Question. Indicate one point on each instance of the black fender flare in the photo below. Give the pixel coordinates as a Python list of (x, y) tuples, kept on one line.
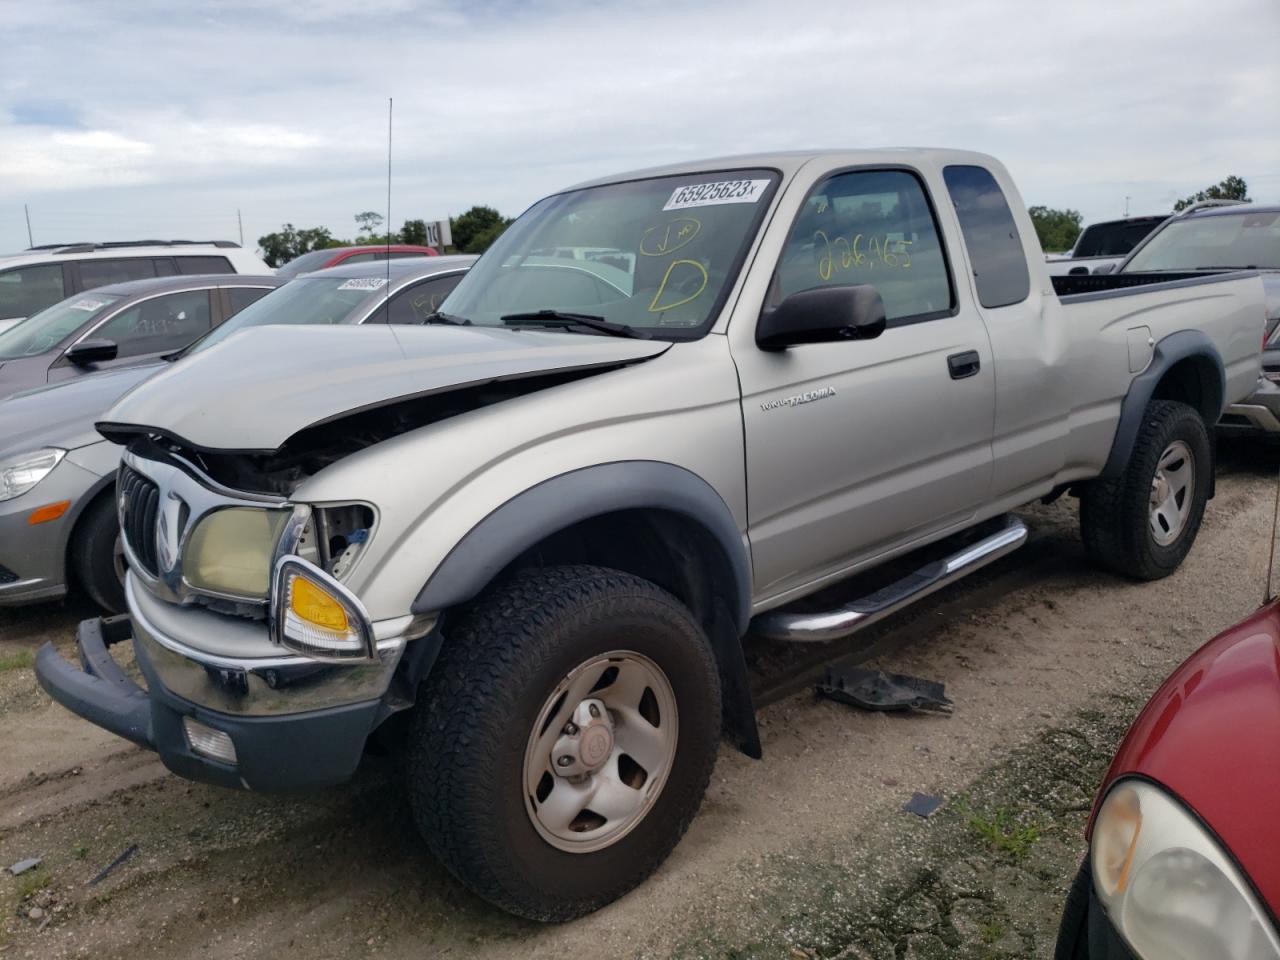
[(1170, 350), (562, 501)]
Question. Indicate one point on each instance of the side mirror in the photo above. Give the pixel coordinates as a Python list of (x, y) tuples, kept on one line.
[(1104, 268), (822, 315), (88, 352)]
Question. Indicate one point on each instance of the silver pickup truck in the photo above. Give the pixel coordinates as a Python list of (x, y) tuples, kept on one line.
[(530, 536)]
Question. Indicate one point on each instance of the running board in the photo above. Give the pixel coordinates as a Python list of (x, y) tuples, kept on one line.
[(826, 625)]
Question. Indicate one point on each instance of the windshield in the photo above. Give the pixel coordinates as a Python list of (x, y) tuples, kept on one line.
[(309, 300), (1113, 239), (305, 263), (50, 327), (1245, 240), (658, 255)]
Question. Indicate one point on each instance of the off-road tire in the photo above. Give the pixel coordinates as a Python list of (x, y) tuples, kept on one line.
[(92, 549), (478, 705), (1073, 930), (1115, 513)]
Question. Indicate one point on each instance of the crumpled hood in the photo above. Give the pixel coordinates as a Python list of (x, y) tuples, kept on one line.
[(63, 414), (254, 391)]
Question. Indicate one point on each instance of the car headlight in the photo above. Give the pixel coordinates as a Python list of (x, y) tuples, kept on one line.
[(1169, 889), (230, 552), (19, 474)]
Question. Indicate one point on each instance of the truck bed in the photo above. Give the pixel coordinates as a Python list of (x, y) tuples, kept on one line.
[(1069, 288)]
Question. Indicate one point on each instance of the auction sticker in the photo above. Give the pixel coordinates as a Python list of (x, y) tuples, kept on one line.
[(365, 283), (89, 304), (721, 191)]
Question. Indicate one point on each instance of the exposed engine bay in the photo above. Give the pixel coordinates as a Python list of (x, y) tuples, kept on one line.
[(309, 451)]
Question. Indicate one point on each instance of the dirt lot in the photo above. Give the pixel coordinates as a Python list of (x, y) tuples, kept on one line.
[(803, 854)]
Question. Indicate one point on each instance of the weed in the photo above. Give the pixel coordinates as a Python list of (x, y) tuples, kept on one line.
[(22, 660), (1003, 832)]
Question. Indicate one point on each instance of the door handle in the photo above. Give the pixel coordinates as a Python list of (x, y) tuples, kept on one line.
[(964, 365)]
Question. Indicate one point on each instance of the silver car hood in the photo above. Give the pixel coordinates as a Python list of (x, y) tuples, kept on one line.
[(63, 414), (254, 391)]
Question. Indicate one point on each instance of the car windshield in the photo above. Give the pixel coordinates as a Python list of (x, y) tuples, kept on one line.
[(51, 326), (658, 255), (314, 260), (304, 300), (1112, 239), (1245, 240)]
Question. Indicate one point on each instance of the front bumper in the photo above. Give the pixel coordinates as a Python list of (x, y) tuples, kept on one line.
[(274, 752)]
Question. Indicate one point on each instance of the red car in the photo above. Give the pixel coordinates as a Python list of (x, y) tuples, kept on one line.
[(331, 257), (1184, 839)]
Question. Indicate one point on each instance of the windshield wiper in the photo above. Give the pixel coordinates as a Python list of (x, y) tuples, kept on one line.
[(559, 318), (448, 318)]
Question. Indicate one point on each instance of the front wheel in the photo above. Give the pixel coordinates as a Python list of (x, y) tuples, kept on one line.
[(564, 739), (1142, 523), (97, 554)]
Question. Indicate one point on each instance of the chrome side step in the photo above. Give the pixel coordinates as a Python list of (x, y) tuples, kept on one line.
[(827, 625)]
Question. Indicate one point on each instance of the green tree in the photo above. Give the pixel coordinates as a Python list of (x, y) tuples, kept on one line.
[(477, 228), (288, 242), (1057, 229), (1232, 188), (368, 224), (414, 231)]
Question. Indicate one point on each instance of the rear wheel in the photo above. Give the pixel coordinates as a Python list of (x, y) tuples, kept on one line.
[(564, 739), (97, 554), (1142, 523)]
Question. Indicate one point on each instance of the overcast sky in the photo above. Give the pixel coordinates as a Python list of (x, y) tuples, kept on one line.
[(125, 120)]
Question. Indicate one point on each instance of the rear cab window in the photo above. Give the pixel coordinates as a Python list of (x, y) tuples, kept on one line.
[(990, 235), (872, 227)]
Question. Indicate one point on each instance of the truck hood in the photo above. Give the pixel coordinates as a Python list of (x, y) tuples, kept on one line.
[(254, 391), (63, 414)]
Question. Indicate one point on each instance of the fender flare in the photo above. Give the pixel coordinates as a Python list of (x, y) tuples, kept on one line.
[(1170, 350), (564, 500)]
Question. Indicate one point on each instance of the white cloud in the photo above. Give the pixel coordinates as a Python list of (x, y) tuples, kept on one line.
[(192, 111)]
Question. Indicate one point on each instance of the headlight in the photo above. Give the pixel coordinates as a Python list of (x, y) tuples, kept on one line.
[(230, 551), (19, 474), (1169, 889), (316, 616)]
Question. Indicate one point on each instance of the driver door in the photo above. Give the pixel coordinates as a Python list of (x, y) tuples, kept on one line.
[(857, 446)]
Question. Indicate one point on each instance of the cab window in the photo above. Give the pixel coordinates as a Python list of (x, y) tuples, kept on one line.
[(158, 325), (869, 227), (990, 235)]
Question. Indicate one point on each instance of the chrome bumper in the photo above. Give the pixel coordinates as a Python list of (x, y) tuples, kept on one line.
[(256, 682)]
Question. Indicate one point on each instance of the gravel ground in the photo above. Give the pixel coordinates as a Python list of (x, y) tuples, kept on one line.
[(803, 854)]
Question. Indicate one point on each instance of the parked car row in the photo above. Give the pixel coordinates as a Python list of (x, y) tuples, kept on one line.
[(538, 504)]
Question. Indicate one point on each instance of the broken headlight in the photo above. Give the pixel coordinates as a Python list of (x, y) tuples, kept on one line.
[(335, 538)]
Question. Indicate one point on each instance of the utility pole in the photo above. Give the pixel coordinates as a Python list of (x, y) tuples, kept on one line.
[(240, 221), (30, 242), (1126, 205)]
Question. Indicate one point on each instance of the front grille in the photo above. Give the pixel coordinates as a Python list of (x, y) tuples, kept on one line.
[(140, 505), (7, 576)]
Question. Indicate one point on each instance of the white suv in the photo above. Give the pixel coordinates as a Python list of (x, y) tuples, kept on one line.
[(42, 276)]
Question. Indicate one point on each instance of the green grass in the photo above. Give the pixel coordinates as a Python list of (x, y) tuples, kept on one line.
[(29, 883), (991, 931), (22, 660), (1003, 832)]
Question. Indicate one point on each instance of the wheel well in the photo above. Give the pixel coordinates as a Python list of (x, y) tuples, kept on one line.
[(663, 547), (106, 493), (1195, 381)]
